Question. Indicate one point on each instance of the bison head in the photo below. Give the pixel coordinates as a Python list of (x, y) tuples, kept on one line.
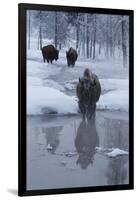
[(87, 84)]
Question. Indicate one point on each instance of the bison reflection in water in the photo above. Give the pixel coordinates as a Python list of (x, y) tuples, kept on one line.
[(86, 141), (52, 137)]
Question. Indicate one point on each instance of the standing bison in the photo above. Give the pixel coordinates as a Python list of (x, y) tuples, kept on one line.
[(50, 53), (71, 56), (88, 93)]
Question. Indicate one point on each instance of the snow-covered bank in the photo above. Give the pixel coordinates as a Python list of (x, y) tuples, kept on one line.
[(116, 94), (114, 100), (53, 84), (40, 69), (43, 100), (48, 85)]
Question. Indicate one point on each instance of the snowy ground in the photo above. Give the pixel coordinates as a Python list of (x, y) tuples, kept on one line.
[(51, 87)]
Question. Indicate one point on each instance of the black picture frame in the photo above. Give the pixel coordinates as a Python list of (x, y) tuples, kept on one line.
[(22, 148)]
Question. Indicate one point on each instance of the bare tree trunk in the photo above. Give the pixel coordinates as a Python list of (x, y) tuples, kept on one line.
[(29, 29), (124, 47), (56, 31), (77, 35), (107, 38), (86, 34), (91, 48), (40, 36), (83, 47), (59, 46), (107, 48), (99, 50), (111, 39), (87, 41), (83, 40), (40, 31), (94, 38)]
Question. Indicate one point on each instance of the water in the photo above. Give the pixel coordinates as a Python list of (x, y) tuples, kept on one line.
[(61, 151)]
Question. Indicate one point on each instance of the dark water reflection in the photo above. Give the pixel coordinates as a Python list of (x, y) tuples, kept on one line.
[(52, 137), (86, 141), (61, 151), (117, 173)]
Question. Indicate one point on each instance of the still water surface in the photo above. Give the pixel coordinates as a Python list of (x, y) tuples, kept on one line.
[(61, 151)]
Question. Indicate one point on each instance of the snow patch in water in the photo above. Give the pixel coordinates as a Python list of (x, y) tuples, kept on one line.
[(111, 152), (116, 152)]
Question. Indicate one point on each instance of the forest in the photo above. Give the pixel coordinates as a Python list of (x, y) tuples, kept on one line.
[(90, 34)]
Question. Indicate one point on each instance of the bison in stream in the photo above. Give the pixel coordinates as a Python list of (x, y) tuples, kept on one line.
[(88, 93)]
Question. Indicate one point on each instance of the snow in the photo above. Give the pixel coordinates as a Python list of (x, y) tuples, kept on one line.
[(69, 86), (47, 84), (35, 81), (34, 55), (34, 42), (117, 96), (41, 70), (35, 69), (111, 152), (53, 84), (114, 84), (114, 100), (49, 147), (70, 154), (116, 152), (102, 149), (44, 100), (44, 95)]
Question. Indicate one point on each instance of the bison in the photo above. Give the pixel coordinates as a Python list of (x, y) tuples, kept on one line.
[(71, 56), (88, 93), (50, 53)]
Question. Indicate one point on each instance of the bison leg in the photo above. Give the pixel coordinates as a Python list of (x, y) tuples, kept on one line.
[(73, 64), (68, 64), (48, 60), (44, 59), (82, 109), (91, 113)]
